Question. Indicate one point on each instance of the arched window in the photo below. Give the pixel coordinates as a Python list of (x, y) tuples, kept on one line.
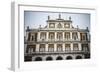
[(78, 57), (59, 58), (38, 59), (51, 25), (49, 58), (67, 25), (68, 58)]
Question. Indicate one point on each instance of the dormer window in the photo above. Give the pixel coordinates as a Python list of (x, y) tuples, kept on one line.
[(51, 25), (59, 25), (67, 25)]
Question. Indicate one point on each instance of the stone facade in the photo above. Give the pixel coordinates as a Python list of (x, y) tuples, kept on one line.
[(58, 40)]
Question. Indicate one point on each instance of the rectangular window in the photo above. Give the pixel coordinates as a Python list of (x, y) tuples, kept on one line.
[(67, 47), (42, 48), (75, 47)]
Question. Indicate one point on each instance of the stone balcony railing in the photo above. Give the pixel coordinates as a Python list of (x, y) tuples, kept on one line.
[(57, 52), (55, 40), (41, 40)]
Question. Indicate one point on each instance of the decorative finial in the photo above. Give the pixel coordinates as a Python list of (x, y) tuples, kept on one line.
[(28, 28), (59, 16), (70, 18), (48, 17), (40, 26), (87, 28), (77, 26)]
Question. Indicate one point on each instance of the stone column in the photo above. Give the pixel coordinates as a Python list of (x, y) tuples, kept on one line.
[(64, 47), (71, 46), (63, 36), (37, 47), (88, 36), (78, 36), (38, 36), (47, 33), (46, 47), (55, 36), (27, 35), (55, 47), (79, 46), (71, 35)]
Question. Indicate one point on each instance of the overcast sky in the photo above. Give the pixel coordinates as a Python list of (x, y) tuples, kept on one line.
[(34, 19)]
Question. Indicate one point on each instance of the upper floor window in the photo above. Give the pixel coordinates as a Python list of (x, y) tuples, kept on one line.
[(67, 35), (83, 36), (59, 25), (75, 47), (67, 25), (33, 37), (51, 25), (29, 36), (43, 36), (75, 36), (59, 36), (51, 36)]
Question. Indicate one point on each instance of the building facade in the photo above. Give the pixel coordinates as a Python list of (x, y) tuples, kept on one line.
[(58, 40)]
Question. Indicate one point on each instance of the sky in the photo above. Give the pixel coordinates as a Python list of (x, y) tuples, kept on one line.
[(34, 19)]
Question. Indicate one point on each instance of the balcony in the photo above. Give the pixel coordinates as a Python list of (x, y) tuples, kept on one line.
[(58, 52), (48, 40)]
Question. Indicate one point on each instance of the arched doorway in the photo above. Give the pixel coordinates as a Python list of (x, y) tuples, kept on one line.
[(59, 58), (49, 58), (38, 59), (69, 58), (78, 57)]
